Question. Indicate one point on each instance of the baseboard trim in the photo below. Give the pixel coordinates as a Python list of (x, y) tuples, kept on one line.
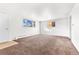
[(75, 45)]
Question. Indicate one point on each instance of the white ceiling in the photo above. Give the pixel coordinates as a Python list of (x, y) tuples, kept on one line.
[(40, 11)]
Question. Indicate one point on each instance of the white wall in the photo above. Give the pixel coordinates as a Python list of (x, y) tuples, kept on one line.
[(75, 26), (16, 26), (15, 15), (62, 27)]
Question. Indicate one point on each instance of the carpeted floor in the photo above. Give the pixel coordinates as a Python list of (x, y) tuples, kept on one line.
[(41, 45)]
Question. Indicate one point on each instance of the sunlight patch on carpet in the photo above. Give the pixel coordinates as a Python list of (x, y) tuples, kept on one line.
[(7, 44)]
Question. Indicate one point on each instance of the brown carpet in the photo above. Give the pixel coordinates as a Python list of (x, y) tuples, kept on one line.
[(41, 45)]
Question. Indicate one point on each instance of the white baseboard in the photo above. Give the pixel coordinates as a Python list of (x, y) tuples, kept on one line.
[(76, 45), (24, 36)]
